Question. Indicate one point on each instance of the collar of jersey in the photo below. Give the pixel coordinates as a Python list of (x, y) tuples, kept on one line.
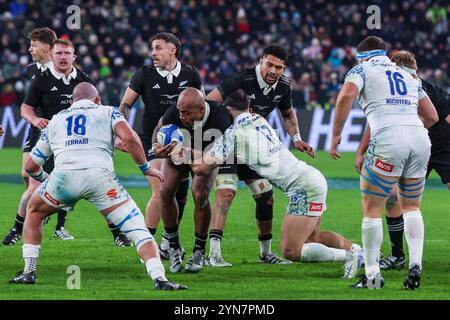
[(82, 102), (175, 71), (44, 67), (59, 76), (242, 116), (261, 82), (200, 124)]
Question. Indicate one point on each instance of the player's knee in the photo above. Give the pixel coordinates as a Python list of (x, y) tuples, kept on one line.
[(166, 196), (290, 253), (224, 198), (182, 192), (200, 195), (264, 206), (129, 219), (391, 202)]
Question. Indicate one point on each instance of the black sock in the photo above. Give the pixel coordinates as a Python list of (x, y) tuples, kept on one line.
[(114, 230), (216, 233), (172, 236), (200, 242), (263, 237), (61, 219), (18, 225), (152, 231), (395, 228), (181, 197)]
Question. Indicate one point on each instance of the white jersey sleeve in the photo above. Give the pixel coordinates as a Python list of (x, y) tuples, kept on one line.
[(223, 147), (422, 93), (116, 117), (356, 76), (41, 151)]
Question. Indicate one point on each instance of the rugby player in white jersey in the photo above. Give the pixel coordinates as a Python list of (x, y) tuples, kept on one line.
[(253, 142), (398, 151), (82, 141)]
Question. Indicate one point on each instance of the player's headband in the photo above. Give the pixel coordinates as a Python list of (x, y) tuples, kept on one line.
[(409, 70), (369, 54)]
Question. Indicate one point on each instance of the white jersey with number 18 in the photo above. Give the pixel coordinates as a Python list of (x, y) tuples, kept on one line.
[(80, 137)]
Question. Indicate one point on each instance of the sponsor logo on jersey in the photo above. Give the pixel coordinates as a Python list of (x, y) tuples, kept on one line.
[(252, 96), (315, 207), (54, 89), (260, 108), (69, 96), (112, 193), (169, 96), (156, 86), (384, 166), (51, 199)]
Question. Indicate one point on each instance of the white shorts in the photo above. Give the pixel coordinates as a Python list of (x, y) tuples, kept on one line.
[(63, 188), (308, 195), (401, 151)]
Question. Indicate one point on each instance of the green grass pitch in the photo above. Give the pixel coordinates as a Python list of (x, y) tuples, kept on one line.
[(110, 272)]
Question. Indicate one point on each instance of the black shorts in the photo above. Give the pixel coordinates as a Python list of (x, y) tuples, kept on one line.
[(32, 138), (440, 162), (242, 170)]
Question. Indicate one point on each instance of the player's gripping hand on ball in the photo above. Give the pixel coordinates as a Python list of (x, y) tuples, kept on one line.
[(161, 151)]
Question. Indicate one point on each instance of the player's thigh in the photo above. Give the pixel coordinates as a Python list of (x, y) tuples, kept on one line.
[(173, 175), (38, 207), (295, 232), (410, 193), (24, 158), (202, 185)]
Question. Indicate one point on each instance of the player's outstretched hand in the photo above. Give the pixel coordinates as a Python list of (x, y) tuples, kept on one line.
[(359, 162), (119, 144), (304, 147), (155, 173), (163, 152), (40, 123), (333, 149)]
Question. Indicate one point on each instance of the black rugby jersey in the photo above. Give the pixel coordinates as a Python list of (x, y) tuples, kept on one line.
[(50, 92), (259, 103), (216, 118), (439, 133), (158, 95), (34, 69)]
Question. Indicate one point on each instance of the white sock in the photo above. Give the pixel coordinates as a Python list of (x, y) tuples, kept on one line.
[(214, 247), (155, 269), (265, 247), (414, 234), (30, 253), (165, 242), (372, 236), (317, 252)]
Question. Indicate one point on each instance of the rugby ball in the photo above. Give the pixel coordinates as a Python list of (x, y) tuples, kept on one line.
[(168, 134)]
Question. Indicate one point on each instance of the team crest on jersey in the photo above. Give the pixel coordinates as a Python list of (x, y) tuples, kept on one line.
[(315, 207), (277, 98), (384, 166), (182, 84)]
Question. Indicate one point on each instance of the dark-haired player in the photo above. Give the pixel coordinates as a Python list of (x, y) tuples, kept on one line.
[(268, 89), (159, 85)]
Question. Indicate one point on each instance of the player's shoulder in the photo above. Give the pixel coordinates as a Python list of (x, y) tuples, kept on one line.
[(248, 74), (188, 68), (284, 81), (216, 107), (83, 76), (32, 70), (358, 70)]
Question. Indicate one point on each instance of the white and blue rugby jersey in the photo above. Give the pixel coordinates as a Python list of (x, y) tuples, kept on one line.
[(80, 137), (388, 95), (255, 143)]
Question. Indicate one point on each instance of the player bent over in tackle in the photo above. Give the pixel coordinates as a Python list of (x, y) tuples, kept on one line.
[(397, 154), (255, 143), (81, 139)]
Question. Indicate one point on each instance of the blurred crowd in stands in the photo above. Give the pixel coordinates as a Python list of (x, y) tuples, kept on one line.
[(220, 37)]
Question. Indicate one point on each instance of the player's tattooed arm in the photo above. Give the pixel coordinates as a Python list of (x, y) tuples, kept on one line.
[(344, 103), (290, 123), (129, 98)]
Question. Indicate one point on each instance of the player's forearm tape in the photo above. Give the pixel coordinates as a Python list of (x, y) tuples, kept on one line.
[(144, 167), (38, 175), (296, 138)]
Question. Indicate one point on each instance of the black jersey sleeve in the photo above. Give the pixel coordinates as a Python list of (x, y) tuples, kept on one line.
[(197, 82), (171, 116), (222, 119), (439, 98), (136, 82), (33, 96), (231, 84), (286, 101)]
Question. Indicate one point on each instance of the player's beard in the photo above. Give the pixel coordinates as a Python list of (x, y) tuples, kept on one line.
[(270, 79)]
